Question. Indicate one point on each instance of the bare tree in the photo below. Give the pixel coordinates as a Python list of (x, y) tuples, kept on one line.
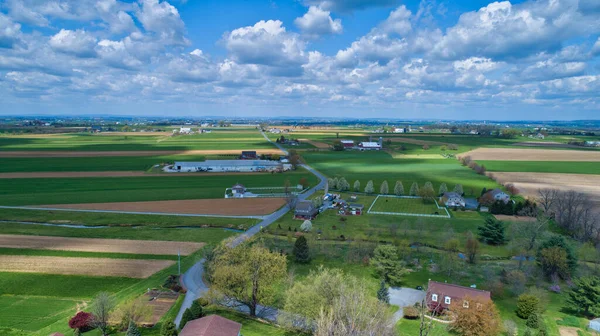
[(101, 307), (546, 198), (290, 198), (574, 212), (524, 236)]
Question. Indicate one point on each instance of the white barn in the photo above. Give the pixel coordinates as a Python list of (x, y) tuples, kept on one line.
[(229, 166)]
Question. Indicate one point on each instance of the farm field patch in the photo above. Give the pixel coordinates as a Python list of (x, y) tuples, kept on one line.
[(135, 189), (525, 154), (72, 154), (31, 313), (542, 167), (317, 144), (99, 245), (405, 205), (235, 207), (128, 268)]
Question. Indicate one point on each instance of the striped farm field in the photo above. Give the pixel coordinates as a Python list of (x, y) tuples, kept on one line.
[(526, 154), (128, 268), (99, 245)]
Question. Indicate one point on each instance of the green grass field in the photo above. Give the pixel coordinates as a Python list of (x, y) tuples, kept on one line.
[(542, 167), (405, 205), (380, 166), (31, 313), (130, 189)]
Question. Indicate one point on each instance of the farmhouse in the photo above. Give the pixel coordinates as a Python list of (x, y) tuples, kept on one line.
[(399, 130), (497, 195), (229, 166), (212, 325), (305, 210), (347, 143), (185, 130), (452, 199), (441, 294)]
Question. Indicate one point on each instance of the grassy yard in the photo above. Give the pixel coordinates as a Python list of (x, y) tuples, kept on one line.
[(130, 189), (31, 313), (405, 205), (542, 166)]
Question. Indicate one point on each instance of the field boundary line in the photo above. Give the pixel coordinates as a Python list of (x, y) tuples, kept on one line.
[(129, 212), (406, 213)]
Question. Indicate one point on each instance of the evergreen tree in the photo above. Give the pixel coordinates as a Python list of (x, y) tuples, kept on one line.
[(384, 189), (560, 242), (585, 296), (492, 231), (133, 330), (443, 189), (483, 191), (196, 309), (383, 294), (357, 185), (533, 321), (369, 189), (399, 188), (459, 189), (168, 329), (301, 250), (187, 316), (414, 189)]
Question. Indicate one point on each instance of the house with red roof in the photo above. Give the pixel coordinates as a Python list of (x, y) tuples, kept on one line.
[(212, 325), (442, 295)]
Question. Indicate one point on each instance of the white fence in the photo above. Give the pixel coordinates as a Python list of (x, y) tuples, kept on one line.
[(407, 213)]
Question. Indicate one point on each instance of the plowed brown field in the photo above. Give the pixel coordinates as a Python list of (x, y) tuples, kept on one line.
[(128, 268), (524, 154), (220, 206), (157, 247)]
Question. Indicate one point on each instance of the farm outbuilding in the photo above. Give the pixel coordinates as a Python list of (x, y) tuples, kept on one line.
[(229, 166)]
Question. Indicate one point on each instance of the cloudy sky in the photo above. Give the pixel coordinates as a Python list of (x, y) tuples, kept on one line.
[(470, 59)]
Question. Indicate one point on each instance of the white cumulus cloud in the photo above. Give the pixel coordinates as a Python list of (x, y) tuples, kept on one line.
[(317, 22)]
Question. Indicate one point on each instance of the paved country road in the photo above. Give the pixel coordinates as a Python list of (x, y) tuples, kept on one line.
[(192, 279)]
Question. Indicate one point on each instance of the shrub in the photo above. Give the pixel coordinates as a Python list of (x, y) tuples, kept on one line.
[(411, 313), (554, 288), (527, 305), (203, 302), (196, 309), (133, 330), (82, 321), (306, 226), (533, 321), (511, 328), (168, 329)]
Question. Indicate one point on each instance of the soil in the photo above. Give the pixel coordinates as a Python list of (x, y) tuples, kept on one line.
[(568, 331), (524, 154), (415, 141), (546, 144), (156, 247), (220, 206), (25, 154), (128, 268), (317, 144)]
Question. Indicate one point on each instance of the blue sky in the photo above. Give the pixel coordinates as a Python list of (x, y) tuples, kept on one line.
[(357, 58)]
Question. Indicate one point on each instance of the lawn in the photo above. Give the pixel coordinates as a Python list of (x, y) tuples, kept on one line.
[(405, 205), (129, 189), (542, 166), (31, 313), (379, 166)]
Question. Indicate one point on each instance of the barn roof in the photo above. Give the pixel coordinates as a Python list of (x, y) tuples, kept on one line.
[(456, 291), (212, 325)]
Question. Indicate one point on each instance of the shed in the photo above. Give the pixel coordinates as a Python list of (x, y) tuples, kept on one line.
[(238, 189), (248, 155), (305, 210), (595, 324), (212, 325)]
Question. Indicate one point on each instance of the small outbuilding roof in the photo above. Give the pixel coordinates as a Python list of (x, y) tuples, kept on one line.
[(305, 208), (456, 291), (370, 144), (451, 194), (212, 325), (238, 186)]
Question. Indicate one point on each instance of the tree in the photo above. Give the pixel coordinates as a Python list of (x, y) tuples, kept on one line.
[(399, 188), (524, 236), (133, 330), (101, 307), (383, 294), (387, 264), (356, 186), (426, 147), (369, 189), (290, 198), (533, 321), (301, 250), (551, 261), (414, 189), (135, 310), (303, 182), (384, 189), (185, 318), (459, 189), (511, 328), (338, 146), (477, 318), (294, 158), (247, 275), (306, 226), (196, 309), (427, 193), (585, 296), (471, 248), (81, 322), (168, 329), (343, 185), (527, 305), (443, 189), (492, 231)]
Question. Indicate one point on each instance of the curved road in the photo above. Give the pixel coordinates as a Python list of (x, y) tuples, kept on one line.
[(192, 279)]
